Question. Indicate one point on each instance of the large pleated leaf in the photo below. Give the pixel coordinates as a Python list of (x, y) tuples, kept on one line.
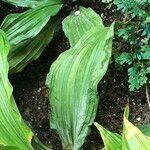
[(23, 53), (72, 83), (131, 138), (29, 33), (27, 25), (86, 20), (30, 3), (13, 131), (111, 140)]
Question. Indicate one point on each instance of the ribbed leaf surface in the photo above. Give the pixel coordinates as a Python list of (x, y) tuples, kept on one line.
[(32, 48), (86, 20), (131, 139), (13, 131), (111, 140), (30, 3), (73, 80), (29, 33)]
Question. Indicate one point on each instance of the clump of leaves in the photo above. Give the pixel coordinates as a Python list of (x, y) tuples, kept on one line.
[(73, 77), (27, 35), (132, 138), (135, 32), (14, 133)]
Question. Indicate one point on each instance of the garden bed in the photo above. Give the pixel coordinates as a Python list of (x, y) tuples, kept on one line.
[(32, 98), (31, 93)]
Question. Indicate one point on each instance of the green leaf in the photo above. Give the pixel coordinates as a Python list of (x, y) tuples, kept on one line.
[(73, 80), (111, 140), (33, 47), (27, 25), (126, 111), (145, 129), (133, 7), (31, 3), (84, 22), (137, 77), (13, 131), (25, 33), (145, 52), (123, 33), (9, 148), (133, 138), (124, 58)]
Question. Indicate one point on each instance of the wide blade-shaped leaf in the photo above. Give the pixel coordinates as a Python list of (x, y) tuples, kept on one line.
[(84, 22), (111, 140), (133, 138), (33, 47), (30, 3), (13, 131), (73, 80), (29, 33), (28, 24), (145, 129)]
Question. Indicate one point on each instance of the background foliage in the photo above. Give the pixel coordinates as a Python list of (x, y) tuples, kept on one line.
[(135, 32)]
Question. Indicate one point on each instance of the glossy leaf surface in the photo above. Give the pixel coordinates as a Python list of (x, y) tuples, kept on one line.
[(86, 20), (33, 47), (73, 80), (29, 33), (131, 138), (30, 3), (13, 131), (111, 140)]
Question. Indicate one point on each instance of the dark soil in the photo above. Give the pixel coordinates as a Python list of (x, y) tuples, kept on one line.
[(32, 98)]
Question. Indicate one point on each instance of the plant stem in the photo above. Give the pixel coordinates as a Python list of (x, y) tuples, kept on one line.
[(147, 95)]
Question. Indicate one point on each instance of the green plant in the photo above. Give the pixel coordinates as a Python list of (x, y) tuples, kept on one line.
[(74, 76), (13, 131), (135, 32), (29, 3), (130, 139), (30, 32)]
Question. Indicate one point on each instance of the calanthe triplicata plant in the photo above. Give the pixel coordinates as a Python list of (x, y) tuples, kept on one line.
[(131, 138), (14, 133), (74, 76), (79, 69), (30, 32)]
